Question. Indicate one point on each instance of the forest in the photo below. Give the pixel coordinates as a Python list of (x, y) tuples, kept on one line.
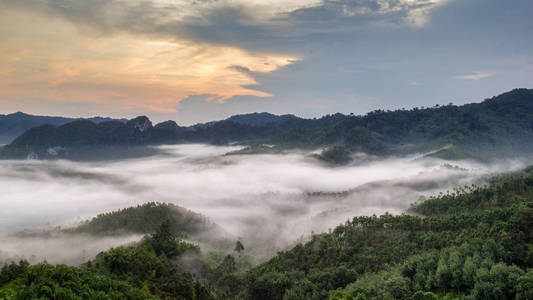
[(474, 242)]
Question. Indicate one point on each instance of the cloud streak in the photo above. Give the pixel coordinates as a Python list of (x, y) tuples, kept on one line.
[(476, 75)]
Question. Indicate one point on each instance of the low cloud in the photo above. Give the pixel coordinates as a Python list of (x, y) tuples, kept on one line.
[(267, 200), (60, 248)]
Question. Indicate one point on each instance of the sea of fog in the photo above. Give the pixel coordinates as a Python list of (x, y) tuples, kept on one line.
[(266, 200)]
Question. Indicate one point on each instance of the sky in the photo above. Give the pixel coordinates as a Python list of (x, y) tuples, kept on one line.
[(200, 60)]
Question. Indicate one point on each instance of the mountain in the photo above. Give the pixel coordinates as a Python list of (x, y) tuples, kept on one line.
[(260, 119), (78, 138), (499, 126), (15, 124), (503, 124)]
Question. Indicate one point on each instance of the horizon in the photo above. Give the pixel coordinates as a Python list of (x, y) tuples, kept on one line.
[(156, 121)]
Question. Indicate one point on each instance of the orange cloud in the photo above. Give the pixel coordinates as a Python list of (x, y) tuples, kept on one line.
[(61, 64), (476, 75)]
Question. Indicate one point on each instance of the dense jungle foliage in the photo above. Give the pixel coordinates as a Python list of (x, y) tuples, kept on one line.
[(144, 271), (473, 243)]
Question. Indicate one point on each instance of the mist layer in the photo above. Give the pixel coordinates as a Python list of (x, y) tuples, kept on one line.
[(267, 200)]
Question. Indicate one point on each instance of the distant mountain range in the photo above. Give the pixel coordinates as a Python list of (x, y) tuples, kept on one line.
[(260, 119), (15, 124), (502, 125)]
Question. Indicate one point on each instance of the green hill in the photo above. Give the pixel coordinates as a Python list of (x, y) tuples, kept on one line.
[(145, 219), (475, 243)]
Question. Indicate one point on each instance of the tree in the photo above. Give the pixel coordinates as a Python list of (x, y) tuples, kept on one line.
[(423, 296), (524, 289), (238, 247), (164, 240)]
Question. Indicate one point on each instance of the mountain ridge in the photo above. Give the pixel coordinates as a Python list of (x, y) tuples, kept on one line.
[(14, 124), (501, 124)]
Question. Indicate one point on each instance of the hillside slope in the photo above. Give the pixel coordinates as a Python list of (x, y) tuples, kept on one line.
[(476, 242)]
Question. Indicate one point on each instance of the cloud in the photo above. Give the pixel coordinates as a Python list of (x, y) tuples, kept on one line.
[(149, 55), (476, 75), (59, 248), (347, 14), (268, 200), (230, 22), (120, 71)]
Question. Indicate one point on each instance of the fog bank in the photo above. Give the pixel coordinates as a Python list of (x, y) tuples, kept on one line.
[(267, 200), (59, 249)]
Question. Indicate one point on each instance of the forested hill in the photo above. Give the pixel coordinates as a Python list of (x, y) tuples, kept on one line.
[(141, 219), (474, 243), (502, 125), (13, 125), (145, 219)]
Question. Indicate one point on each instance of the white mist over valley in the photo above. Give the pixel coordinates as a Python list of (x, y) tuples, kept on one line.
[(258, 198)]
